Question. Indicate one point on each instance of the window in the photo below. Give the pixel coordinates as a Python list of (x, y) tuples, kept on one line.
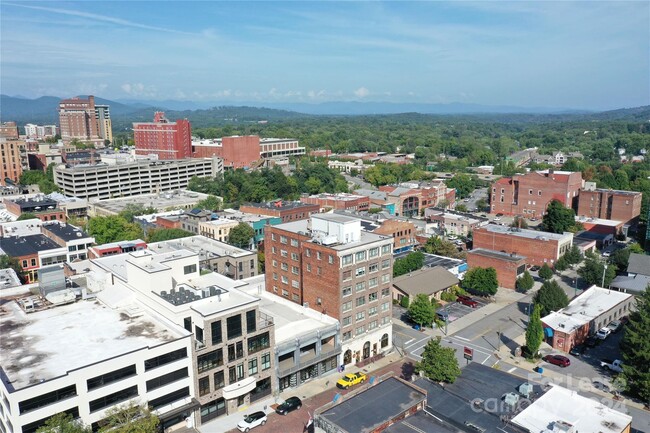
[(113, 398), (235, 351), (47, 398), (294, 256), (372, 297), (284, 279), (361, 300), (215, 327), (347, 320), (266, 361), (373, 282), (372, 325), (307, 252), (385, 278), (347, 275), (275, 276), (347, 291), (234, 327), (259, 342), (204, 385), (360, 316), (308, 267), (189, 269), (360, 330), (232, 375), (283, 253), (294, 242), (272, 250), (347, 335), (251, 322), (385, 249), (330, 259), (295, 270), (295, 284), (385, 264), (360, 256), (360, 272), (169, 398), (272, 236), (346, 260), (285, 293), (372, 311), (111, 377), (373, 252), (283, 239), (384, 306), (373, 268), (209, 360), (165, 359), (284, 266), (385, 292), (347, 306), (274, 263), (252, 367), (165, 379), (530, 192), (219, 381), (240, 371)]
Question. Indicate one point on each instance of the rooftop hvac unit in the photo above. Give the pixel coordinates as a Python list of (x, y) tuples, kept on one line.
[(511, 398), (563, 427), (526, 389)]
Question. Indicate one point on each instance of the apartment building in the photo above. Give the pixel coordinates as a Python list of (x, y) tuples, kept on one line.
[(9, 130), (530, 194), (286, 210), (40, 131), (329, 264), (75, 240), (162, 138), (13, 160), (609, 204), (232, 357), (78, 120), (104, 124), (246, 151), (139, 177), (218, 229), (339, 201), (538, 247)]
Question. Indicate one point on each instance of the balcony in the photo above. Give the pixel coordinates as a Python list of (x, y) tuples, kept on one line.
[(288, 366)]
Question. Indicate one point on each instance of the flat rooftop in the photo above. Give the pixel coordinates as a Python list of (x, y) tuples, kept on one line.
[(27, 245), (496, 255), (9, 278), (598, 221), (593, 236), (525, 233), (162, 201), (366, 237), (65, 231), (47, 344), (342, 196), (418, 423), (559, 405), (39, 201), (374, 406), (246, 217), (21, 228), (432, 260), (205, 247), (280, 205)]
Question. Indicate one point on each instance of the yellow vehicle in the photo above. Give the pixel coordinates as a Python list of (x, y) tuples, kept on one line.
[(350, 379)]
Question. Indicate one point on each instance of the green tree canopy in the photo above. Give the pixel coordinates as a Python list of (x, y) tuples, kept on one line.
[(558, 219), (26, 216), (534, 333), (525, 282), (411, 262), (573, 256), (561, 264), (463, 183), (210, 203), (421, 310), (113, 228), (129, 418), (550, 297), (438, 363), (133, 210), (8, 262), (545, 272), (481, 281), (635, 348), (162, 234), (241, 235), (63, 423), (441, 247), (592, 272), (519, 222)]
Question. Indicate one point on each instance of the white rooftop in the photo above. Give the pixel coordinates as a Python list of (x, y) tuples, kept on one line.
[(206, 248), (301, 227), (559, 404), (587, 306), (46, 344), (9, 278), (598, 221), (527, 233), (21, 228)]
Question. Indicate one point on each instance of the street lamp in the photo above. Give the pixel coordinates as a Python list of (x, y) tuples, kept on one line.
[(604, 270), (575, 283)]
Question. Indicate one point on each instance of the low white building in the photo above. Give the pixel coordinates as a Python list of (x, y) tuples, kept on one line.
[(85, 358)]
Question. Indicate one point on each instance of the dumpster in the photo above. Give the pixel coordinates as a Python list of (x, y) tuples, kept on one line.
[(540, 370)]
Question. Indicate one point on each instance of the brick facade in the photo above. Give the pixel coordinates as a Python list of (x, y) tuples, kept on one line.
[(529, 194), (77, 120), (342, 201), (165, 139), (9, 130), (410, 199), (508, 267), (610, 204), (288, 211), (402, 232), (12, 155)]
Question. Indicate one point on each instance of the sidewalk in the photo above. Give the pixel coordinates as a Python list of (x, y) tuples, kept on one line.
[(305, 391)]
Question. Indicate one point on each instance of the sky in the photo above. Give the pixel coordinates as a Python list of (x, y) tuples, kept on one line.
[(582, 55)]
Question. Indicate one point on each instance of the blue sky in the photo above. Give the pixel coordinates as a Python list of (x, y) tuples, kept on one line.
[(593, 55)]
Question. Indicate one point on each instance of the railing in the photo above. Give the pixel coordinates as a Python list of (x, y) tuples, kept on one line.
[(317, 358)]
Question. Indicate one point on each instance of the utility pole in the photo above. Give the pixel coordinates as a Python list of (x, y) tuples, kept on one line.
[(604, 271)]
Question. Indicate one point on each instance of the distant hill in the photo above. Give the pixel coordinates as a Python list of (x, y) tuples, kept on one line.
[(636, 114)]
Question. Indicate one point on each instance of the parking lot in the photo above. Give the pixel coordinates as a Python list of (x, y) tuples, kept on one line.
[(455, 310)]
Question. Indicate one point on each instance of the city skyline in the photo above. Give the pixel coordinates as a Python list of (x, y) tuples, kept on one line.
[(583, 55)]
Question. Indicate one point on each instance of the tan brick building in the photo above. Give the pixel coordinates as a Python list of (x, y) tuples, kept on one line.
[(537, 247), (330, 265), (9, 130), (529, 194), (508, 266), (13, 156), (609, 204)]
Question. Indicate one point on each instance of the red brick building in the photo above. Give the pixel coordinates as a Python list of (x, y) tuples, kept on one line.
[(340, 201), (508, 266), (246, 151), (9, 130), (402, 232), (167, 140), (328, 264), (529, 194), (537, 247), (411, 198), (116, 248), (43, 208), (609, 204), (77, 120), (287, 210)]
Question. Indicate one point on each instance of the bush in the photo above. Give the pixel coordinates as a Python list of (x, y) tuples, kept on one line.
[(404, 302), (448, 296), (525, 282)]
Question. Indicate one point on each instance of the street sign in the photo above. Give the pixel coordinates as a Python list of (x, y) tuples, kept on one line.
[(468, 353)]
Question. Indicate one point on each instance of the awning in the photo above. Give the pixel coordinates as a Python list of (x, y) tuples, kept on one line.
[(548, 332), (193, 404)]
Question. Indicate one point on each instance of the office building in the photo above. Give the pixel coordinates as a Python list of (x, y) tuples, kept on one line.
[(9, 130), (104, 181), (328, 263), (13, 160), (286, 210), (339, 201), (104, 126), (508, 266), (609, 204), (78, 120), (162, 138), (42, 206), (246, 151), (40, 132)]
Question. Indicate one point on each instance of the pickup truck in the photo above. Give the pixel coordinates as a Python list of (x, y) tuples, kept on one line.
[(615, 366)]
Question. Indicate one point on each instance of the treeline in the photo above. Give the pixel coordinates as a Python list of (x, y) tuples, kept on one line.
[(239, 186)]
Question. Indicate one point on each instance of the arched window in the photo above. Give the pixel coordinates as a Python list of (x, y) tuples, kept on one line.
[(366, 350), (347, 357), (384, 340)]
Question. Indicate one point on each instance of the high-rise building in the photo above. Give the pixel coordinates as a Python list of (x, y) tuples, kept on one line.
[(78, 120), (103, 118), (165, 139), (13, 156), (40, 131), (329, 264)]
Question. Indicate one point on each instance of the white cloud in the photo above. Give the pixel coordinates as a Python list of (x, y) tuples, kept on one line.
[(139, 89), (361, 92), (312, 94)]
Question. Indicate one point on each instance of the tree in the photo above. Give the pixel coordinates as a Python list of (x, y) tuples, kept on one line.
[(210, 203), (558, 219), (463, 183), (635, 348), (442, 247), (545, 272), (113, 228), (130, 418), (162, 234), (592, 272), (561, 264), (404, 301), (534, 333), (133, 210), (421, 310), (8, 262), (241, 235), (519, 222), (481, 204), (411, 262), (63, 423), (438, 363), (481, 281), (26, 216), (550, 297), (461, 208), (525, 282), (260, 262), (573, 256)]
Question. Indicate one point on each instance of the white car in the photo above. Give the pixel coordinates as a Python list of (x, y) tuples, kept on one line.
[(251, 421), (497, 218), (606, 253), (603, 333)]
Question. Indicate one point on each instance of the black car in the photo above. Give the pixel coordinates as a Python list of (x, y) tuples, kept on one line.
[(289, 405), (592, 341), (577, 350), (534, 268), (601, 386)]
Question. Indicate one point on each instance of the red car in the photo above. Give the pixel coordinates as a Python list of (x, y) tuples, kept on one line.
[(466, 300), (560, 360)]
